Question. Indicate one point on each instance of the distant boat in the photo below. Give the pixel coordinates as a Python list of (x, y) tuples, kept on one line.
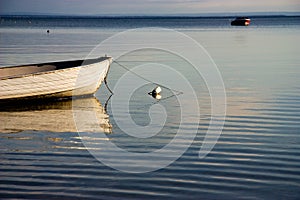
[(53, 79), (241, 21)]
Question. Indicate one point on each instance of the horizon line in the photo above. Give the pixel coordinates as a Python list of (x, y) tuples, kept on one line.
[(225, 14)]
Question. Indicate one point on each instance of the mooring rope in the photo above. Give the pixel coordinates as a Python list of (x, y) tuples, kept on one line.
[(140, 76), (105, 81)]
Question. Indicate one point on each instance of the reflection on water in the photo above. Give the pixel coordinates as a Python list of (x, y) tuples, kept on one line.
[(256, 157), (55, 116)]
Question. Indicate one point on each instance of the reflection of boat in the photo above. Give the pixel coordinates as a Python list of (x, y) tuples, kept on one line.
[(55, 116), (53, 79), (241, 21)]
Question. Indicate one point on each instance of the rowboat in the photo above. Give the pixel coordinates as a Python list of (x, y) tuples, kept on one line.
[(55, 116), (53, 79)]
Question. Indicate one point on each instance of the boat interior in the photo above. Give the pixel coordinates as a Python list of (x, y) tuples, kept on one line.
[(17, 71)]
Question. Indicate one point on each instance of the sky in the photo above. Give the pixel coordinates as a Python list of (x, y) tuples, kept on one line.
[(145, 7)]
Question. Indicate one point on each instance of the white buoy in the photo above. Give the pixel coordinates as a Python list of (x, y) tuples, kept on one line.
[(157, 90), (157, 96), (156, 93)]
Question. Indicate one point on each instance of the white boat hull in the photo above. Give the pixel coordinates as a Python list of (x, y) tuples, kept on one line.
[(74, 81)]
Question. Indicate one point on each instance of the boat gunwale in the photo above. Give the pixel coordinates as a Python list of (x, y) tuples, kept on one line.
[(96, 60)]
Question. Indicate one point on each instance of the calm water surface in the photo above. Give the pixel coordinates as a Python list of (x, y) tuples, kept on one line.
[(256, 157)]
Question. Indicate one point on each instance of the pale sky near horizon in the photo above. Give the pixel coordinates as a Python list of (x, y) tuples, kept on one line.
[(145, 7)]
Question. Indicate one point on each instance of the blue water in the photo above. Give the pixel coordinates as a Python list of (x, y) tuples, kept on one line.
[(135, 22), (256, 157)]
